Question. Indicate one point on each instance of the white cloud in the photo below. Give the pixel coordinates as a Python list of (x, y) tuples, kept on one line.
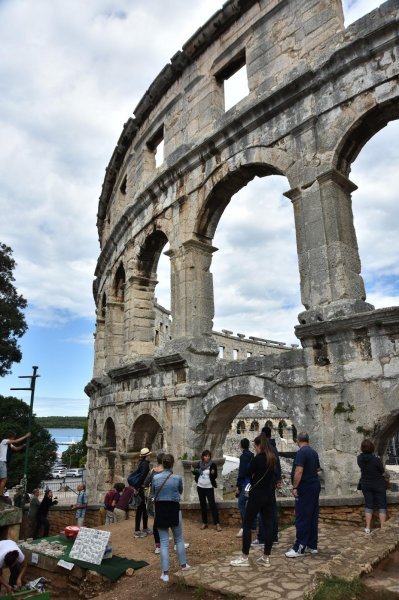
[(355, 9), (71, 75)]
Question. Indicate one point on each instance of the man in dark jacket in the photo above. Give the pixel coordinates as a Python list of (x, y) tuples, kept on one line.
[(243, 479)]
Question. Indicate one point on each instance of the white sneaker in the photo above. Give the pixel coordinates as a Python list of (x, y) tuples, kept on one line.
[(311, 550), (186, 567), (157, 550), (239, 534), (164, 577), (294, 553), (263, 560), (367, 531), (186, 545), (240, 562), (256, 543)]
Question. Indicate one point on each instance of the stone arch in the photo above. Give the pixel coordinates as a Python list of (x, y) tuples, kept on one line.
[(282, 425), (119, 284), (361, 130), (103, 306), (241, 427), (149, 253), (109, 434), (230, 177), (146, 433), (142, 293)]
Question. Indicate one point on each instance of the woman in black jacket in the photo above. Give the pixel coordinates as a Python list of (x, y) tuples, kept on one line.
[(261, 499), (205, 474), (372, 483), (42, 512)]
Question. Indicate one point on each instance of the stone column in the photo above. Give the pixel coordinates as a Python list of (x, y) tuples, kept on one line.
[(114, 334), (99, 354), (329, 264), (192, 305)]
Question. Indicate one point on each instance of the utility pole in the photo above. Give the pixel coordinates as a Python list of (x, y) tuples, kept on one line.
[(30, 389)]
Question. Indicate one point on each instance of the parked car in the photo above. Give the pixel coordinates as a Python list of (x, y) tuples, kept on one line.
[(74, 473), (58, 473)]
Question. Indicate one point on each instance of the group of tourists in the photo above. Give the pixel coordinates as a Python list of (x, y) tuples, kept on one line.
[(165, 489), (259, 476)]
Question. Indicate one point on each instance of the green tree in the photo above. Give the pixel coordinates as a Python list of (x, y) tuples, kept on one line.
[(12, 319), (14, 415), (76, 455)]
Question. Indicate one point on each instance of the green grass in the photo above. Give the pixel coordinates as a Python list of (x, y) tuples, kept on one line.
[(334, 588)]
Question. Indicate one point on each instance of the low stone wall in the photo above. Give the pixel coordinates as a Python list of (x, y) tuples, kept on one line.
[(349, 509), (61, 516)]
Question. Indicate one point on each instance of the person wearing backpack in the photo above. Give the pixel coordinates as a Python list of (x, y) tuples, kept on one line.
[(110, 501), (122, 505), (136, 481)]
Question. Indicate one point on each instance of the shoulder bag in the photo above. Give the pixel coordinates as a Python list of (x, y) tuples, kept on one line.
[(152, 498)]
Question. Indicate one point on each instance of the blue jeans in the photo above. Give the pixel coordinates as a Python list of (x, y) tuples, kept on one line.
[(242, 505), (179, 541)]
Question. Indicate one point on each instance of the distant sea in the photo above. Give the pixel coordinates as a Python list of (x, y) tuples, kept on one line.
[(66, 407), (64, 437)]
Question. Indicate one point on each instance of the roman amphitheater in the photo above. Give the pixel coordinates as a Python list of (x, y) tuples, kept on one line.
[(317, 93)]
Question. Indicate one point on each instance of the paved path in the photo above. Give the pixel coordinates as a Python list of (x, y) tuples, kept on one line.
[(343, 551)]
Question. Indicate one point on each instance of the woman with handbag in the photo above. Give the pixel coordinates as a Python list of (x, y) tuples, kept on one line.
[(150, 503), (261, 499), (372, 483), (166, 489)]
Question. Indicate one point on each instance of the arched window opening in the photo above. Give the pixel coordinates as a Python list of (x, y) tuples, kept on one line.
[(376, 217), (254, 426), (119, 284), (269, 424), (103, 311), (282, 425), (146, 433), (109, 435), (241, 427), (294, 433), (257, 222), (154, 280)]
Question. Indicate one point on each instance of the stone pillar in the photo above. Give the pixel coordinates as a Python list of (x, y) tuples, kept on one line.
[(329, 264), (140, 316), (192, 305), (99, 354), (114, 334)]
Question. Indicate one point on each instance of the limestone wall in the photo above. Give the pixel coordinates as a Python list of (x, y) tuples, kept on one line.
[(317, 93)]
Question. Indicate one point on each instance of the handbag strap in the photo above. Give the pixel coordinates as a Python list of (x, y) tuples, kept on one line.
[(263, 476), (163, 483)]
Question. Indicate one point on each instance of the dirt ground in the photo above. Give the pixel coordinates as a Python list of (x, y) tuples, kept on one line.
[(145, 583)]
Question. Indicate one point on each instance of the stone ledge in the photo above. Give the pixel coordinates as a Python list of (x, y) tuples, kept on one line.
[(392, 498)]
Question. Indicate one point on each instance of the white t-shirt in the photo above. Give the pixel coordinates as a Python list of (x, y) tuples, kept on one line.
[(7, 546), (3, 450), (204, 479)]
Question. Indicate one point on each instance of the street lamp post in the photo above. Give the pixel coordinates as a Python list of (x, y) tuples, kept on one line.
[(30, 389)]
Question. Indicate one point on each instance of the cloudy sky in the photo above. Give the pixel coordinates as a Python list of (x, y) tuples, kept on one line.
[(71, 74)]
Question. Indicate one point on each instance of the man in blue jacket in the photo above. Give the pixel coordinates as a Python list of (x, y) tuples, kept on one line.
[(243, 479)]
